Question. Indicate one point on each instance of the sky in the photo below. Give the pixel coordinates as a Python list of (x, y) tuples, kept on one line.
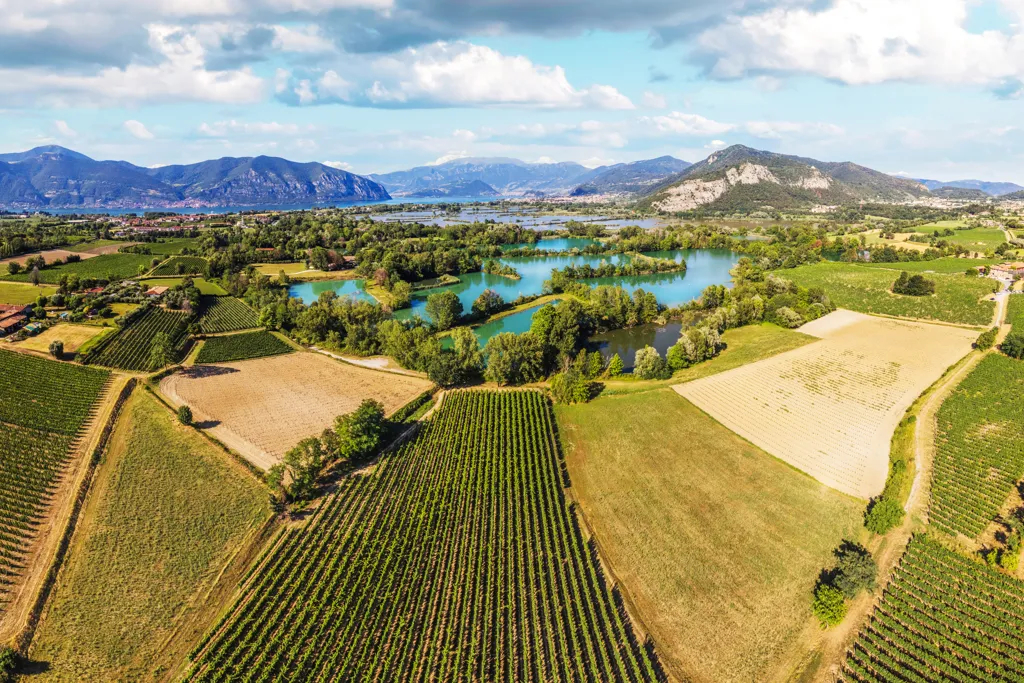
[(929, 88)]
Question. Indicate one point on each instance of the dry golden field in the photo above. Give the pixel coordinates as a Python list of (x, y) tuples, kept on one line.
[(262, 408), (830, 408), (72, 335)]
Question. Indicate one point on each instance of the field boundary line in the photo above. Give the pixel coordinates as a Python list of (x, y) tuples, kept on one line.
[(24, 639)]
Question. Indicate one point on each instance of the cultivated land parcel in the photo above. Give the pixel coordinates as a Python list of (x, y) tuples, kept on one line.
[(262, 408), (830, 408)]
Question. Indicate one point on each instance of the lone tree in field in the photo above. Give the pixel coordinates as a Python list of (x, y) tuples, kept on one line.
[(913, 285), (57, 348), (829, 605), (160, 351), (445, 309), (185, 415), (360, 432), (1013, 345), (8, 664)]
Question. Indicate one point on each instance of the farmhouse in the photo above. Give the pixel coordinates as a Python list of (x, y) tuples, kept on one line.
[(156, 291), (1011, 269), (13, 317)]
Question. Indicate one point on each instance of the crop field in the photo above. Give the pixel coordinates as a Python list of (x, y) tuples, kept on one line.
[(167, 511), (49, 256), (226, 314), (262, 408), (978, 239), (707, 534), (241, 347), (43, 407), (830, 408), (101, 246), (72, 335), (129, 348), (104, 267), (181, 265), (957, 298), (19, 293), (458, 558), (205, 287), (949, 265), (1015, 311), (980, 447), (172, 247), (942, 618)]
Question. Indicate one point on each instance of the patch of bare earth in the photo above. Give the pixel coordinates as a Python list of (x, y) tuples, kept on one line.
[(830, 408), (49, 256), (262, 408)]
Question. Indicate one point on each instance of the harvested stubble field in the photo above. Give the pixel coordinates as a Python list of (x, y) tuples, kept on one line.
[(262, 408), (957, 298), (49, 256), (830, 408), (72, 335)]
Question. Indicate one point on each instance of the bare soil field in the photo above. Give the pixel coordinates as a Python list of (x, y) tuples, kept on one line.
[(49, 256), (262, 408), (72, 335), (830, 408)]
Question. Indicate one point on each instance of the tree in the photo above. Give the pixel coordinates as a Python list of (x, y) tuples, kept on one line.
[(488, 303), (649, 364), (829, 605), (185, 415), (1013, 345), (319, 258), (986, 339), (160, 351), (8, 664), (571, 386), (304, 463), (856, 570), (514, 358), (445, 309), (361, 431), (883, 515), (913, 285), (401, 295), (468, 353), (615, 366), (57, 348), (13, 267)]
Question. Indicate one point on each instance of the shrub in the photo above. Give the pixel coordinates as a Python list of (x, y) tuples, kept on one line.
[(913, 285), (883, 515), (787, 317), (360, 432), (8, 664), (1013, 345), (571, 387), (615, 366), (856, 570), (829, 605), (650, 365), (986, 339), (185, 415)]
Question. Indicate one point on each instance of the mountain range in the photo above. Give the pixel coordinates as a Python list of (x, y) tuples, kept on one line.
[(512, 177), (55, 177), (994, 189)]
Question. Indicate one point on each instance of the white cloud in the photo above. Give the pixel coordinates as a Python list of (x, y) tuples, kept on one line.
[(64, 129), (777, 129), (179, 74), (138, 129), (594, 162), (686, 124), (343, 165), (450, 156), (868, 41), (220, 129), (653, 100), (452, 74), (716, 144)]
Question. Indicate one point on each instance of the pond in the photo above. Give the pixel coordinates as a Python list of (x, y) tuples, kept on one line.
[(517, 323), (627, 342), (308, 292)]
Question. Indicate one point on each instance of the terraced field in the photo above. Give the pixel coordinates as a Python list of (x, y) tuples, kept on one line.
[(830, 408), (225, 314), (980, 447), (129, 348), (942, 618), (458, 559), (43, 407)]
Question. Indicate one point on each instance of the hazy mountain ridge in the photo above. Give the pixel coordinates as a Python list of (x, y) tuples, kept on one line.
[(55, 177), (740, 178), (993, 188)]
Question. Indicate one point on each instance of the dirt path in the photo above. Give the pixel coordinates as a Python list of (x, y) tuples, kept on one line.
[(382, 363)]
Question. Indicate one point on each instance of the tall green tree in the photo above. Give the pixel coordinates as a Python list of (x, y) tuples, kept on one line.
[(445, 309), (360, 432)]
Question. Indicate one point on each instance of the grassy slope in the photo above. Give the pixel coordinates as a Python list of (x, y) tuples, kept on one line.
[(978, 239), (942, 265), (17, 293), (120, 265), (743, 345), (204, 286), (717, 543), (957, 298), (166, 513)]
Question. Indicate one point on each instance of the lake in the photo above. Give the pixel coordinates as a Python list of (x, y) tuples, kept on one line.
[(308, 292)]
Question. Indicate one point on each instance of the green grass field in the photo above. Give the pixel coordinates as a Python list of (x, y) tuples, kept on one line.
[(166, 513), (937, 225), (717, 543), (205, 287), (93, 244), (18, 293), (950, 266), (180, 265), (957, 298), (120, 266), (172, 247), (978, 239), (241, 347), (743, 345)]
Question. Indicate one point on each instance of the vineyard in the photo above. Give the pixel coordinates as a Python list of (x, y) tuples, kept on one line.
[(129, 348), (181, 265), (241, 347), (943, 617), (105, 267), (980, 447), (458, 558), (225, 314), (43, 406)]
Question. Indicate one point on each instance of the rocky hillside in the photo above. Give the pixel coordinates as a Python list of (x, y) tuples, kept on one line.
[(54, 177), (740, 178), (462, 189)]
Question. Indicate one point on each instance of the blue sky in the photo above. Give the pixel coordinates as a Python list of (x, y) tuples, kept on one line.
[(931, 88)]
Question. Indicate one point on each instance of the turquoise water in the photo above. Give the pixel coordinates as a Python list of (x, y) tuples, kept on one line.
[(557, 244), (517, 323), (308, 292)]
